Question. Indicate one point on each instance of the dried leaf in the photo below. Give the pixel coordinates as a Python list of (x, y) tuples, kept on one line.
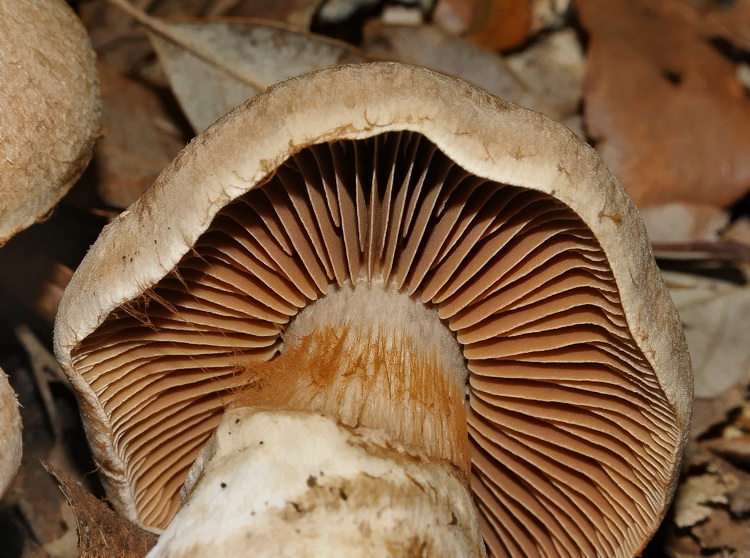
[(712, 411), (457, 17), (17, 541), (335, 12), (429, 46), (138, 141), (663, 104), (499, 23), (548, 13), (102, 533), (36, 495), (739, 499), (553, 69), (724, 488), (506, 24), (738, 231), (684, 222), (218, 64), (293, 12), (37, 283), (694, 496), (716, 318), (722, 532), (735, 448)]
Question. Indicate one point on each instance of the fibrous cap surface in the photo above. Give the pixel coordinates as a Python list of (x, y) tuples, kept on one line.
[(49, 108)]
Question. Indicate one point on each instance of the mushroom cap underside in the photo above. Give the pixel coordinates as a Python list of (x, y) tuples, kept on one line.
[(49, 108), (510, 227)]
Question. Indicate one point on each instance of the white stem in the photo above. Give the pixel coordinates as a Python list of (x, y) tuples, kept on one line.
[(299, 484)]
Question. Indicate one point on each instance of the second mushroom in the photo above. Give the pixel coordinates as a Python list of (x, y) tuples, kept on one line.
[(380, 312)]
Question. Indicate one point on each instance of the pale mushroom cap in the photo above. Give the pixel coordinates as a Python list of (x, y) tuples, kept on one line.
[(10, 433), (509, 149), (49, 108)]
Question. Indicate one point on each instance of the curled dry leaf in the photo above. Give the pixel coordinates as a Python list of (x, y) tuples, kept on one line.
[(431, 47), (715, 315), (739, 499), (738, 231), (712, 506), (553, 67), (333, 12), (505, 23), (293, 12), (695, 496), (664, 104), (684, 222), (218, 64), (712, 411), (499, 24), (723, 533), (139, 139), (736, 449), (102, 533)]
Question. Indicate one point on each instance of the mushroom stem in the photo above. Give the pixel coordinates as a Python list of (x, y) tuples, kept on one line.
[(371, 356), (299, 484)]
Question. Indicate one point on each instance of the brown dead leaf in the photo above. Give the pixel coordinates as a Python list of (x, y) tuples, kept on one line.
[(723, 532), (553, 69), (336, 12), (695, 497), (138, 140), (505, 24), (430, 46), (663, 104), (738, 479), (102, 533), (684, 222), (738, 231), (678, 545), (742, 420), (736, 448), (712, 411), (215, 65), (120, 43), (36, 496), (293, 12), (493, 21), (456, 16), (37, 283), (739, 499), (731, 20)]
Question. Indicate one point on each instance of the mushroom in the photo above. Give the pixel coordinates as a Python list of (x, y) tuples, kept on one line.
[(49, 118), (49, 108), (400, 252), (10, 433)]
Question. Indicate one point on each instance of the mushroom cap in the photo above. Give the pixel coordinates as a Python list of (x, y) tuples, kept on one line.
[(49, 108), (563, 464), (10, 433)]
